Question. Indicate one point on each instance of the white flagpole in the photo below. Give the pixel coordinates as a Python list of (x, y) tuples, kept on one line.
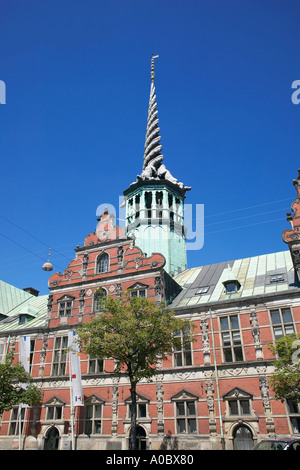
[(76, 392), (71, 404), (24, 357), (20, 411)]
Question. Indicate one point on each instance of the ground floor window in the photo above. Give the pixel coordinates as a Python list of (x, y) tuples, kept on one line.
[(186, 417), (294, 414), (16, 420), (93, 418)]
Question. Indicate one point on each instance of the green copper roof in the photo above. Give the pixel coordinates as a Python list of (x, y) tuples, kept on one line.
[(15, 302), (258, 275), (10, 297)]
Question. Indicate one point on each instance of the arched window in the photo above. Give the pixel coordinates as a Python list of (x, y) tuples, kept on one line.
[(243, 438), (98, 299), (103, 263)]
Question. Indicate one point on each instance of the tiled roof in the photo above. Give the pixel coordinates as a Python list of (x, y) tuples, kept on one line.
[(256, 276)]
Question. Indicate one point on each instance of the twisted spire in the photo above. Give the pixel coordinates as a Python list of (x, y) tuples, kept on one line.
[(152, 155), (152, 166)]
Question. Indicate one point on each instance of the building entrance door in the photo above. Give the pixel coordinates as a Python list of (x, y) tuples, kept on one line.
[(52, 439), (140, 438), (242, 438)]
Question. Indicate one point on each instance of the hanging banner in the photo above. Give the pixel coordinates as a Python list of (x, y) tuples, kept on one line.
[(75, 372), (24, 352)]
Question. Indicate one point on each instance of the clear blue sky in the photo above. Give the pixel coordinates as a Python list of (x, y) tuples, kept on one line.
[(77, 77)]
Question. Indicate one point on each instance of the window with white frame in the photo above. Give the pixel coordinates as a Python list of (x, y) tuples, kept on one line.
[(282, 322), (54, 412), (186, 417), (95, 365), (293, 409), (65, 305), (54, 409), (99, 298), (103, 263), (231, 338), (238, 402), (138, 290), (183, 352), (15, 420), (93, 415), (185, 404), (2, 351), (141, 410), (141, 407), (60, 356)]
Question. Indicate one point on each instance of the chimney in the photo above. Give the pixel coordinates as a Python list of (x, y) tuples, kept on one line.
[(32, 291)]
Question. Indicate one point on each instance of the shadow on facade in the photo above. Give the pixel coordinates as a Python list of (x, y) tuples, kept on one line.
[(169, 442)]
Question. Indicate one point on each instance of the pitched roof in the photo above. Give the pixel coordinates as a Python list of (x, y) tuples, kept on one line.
[(256, 276), (34, 307), (10, 297)]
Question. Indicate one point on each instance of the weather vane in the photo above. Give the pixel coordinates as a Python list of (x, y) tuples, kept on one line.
[(152, 66)]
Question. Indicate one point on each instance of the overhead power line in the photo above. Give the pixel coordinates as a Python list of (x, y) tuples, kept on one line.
[(24, 248), (33, 236)]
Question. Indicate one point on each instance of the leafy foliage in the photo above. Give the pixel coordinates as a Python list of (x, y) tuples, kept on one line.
[(285, 381), (135, 332), (12, 390)]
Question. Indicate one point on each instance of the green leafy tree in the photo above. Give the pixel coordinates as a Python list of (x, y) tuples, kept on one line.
[(137, 333), (12, 390), (285, 380)]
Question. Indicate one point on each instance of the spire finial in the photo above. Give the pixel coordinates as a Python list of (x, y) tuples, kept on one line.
[(152, 66)]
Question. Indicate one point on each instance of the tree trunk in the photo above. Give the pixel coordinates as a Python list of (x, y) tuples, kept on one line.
[(133, 416)]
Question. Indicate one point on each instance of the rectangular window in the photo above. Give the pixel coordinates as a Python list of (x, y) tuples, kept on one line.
[(282, 322), (202, 290), (93, 417), (141, 410), (2, 351), (138, 293), (277, 278), (60, 356), (65, 309), (14, 421), (231, 339), (182, 353), (95, 365), (294, 414), (239, 407), (186, 417), (54, 412)]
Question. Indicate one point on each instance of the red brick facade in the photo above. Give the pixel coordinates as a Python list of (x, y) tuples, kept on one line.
[(179, 408)]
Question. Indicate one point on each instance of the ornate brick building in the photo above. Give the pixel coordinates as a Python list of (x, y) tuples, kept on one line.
[(211, 394)]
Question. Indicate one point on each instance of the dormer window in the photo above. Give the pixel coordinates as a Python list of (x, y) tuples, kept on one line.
[(23, 318), (202, 290), (277, 278), (230, 281), (231, 286), (26, 314)]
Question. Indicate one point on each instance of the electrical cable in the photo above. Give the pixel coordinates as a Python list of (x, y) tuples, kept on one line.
[(33, 236), (29, 251)]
